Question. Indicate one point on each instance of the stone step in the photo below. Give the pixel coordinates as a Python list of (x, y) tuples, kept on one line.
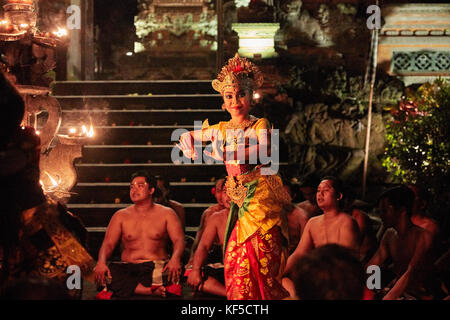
[(99, 214), (118, 172), (137, 154), (135, 135), (127, 153), (141, 102), (101, 117), (199, 192), (131, 87)]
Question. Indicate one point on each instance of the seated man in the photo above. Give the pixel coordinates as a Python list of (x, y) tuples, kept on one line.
[(212, 280), (164, 198), (419, 211), (330, 272), (333, 226), (405, 243), (308, 188), (143, 230), (368, 239), (297, 219), (218, 193)]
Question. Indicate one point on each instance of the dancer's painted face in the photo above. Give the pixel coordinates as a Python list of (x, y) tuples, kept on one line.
[(237, 101)]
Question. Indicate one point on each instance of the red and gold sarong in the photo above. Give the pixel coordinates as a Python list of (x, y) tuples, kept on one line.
[(256, 238), (252, 269)]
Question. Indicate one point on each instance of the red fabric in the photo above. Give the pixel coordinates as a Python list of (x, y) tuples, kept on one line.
[(187, 272), (104, 295), (252, 269), (368, 294), (174, 289)]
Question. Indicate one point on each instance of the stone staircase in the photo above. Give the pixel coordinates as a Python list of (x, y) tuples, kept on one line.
[(133, 123)]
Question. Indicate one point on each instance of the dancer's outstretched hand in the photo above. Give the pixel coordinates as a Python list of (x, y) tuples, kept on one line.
[(186, 145)]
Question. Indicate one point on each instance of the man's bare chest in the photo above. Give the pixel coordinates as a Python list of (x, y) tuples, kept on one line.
[(402, 250), (135, 230), (325, 233)]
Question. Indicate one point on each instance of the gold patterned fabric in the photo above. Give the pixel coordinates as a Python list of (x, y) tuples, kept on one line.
[(254, 268), (47, 248)]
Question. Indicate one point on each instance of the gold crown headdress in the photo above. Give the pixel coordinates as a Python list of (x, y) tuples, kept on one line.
[(239, 72)]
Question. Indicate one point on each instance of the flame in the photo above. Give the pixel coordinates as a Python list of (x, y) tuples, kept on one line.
[(91, 131), (61, 32), (88, 133), (53, 181)]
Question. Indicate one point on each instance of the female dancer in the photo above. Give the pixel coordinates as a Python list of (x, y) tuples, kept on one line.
[(255, 244)]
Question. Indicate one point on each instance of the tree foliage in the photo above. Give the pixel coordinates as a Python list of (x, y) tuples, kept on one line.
[(417, 136)]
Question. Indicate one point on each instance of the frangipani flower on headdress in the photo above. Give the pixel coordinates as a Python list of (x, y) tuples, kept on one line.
[(239, 72)]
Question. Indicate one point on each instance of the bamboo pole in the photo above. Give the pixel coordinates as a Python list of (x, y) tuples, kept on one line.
[(374, 61)]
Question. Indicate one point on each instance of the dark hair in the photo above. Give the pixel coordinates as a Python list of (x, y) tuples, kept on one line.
[(148, 178), (422, 192), (308, 182), (337, 184), (164, 180), (164, 198), (222, 185), (399, 197), (338, 187), (13, 109), (330, 272)]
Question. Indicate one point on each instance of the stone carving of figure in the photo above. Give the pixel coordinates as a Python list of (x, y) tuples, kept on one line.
[(300, 21)]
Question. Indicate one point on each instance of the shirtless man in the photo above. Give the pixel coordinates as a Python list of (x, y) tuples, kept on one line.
[(165, 200), (214, 233), (297, 219), (218, 193), (143, 230), (405, 243), (333, 226), (419, 217), (308, 188), (368, 240)]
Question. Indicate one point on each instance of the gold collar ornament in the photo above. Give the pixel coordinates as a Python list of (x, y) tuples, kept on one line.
[(243, 125)]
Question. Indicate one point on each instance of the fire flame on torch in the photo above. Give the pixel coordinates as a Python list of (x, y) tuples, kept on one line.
[(54, 183), (89, 133), (61, 32)]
